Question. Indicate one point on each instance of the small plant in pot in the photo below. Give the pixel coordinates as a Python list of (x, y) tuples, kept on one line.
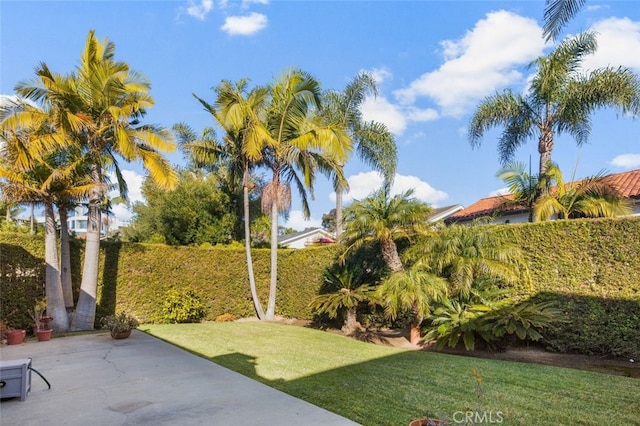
[(41, 321), (120, 325)]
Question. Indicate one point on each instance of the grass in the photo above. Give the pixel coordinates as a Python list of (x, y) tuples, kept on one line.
[(376, 385)]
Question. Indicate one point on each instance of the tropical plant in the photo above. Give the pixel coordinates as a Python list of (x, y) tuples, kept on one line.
[(30, 175), (98, 109), (372, 140), (465, 255), (413, 290), (560, 100), (454, 320), (240, 113), (593, 196), (120, 322), (348, 291), (300, 145), (556, 15), (385, 219)]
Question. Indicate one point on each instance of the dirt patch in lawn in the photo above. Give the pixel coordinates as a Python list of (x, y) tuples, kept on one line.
[(527, 353)]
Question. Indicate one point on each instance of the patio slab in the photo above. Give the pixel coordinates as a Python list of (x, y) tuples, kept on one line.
[(142, 380)]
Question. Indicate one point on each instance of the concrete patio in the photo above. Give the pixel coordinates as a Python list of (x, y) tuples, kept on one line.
[(96, 380)]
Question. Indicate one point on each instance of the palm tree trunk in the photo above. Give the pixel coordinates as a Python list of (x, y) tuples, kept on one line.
[(390, 255), (65, 260), (545, 146), (414, 332), (247, 246), (271, 307), (351, 323), (53, 288), (32, 218), (85, 314)]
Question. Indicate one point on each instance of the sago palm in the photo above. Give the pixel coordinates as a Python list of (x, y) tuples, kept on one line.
[(560, 99)]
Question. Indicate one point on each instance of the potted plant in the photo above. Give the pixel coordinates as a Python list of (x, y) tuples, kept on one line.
[(41, 321), (13, 336), (120, 325)]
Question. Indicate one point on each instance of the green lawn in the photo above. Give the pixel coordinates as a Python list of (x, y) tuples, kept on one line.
[(376, 385)]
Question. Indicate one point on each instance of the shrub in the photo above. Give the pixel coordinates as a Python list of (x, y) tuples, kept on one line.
[(225, 318), (182, 306)]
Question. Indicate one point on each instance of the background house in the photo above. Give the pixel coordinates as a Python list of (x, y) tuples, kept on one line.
[(501, 210), (309, 236)]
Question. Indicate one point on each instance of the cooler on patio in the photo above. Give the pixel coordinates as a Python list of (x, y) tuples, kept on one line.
[(15, 378)]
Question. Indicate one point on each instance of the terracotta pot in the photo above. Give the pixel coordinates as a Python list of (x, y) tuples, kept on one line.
[(16, 337), (427, 422), (44, 335), (120, 334)]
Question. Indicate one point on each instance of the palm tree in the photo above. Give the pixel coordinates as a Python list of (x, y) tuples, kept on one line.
[(523, 186), (385, 219), (560, 100), (239, 112), (589, 197), (37, 179), (299, 146), (414, 291), (373, 142), (556, 15), (465, 255), (98, 109)]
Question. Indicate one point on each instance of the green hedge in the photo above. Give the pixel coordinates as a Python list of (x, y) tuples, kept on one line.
[(590, 267)]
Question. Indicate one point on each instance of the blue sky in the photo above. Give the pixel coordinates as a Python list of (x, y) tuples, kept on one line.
[(434, 61)]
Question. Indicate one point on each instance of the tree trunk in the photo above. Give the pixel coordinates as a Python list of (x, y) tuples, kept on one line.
[(32, 219), (351, 323), (545, 146), (85, 315), (65, 260), (271, 307), (53, 288), (390, 255), (247, 246), (414, 333)]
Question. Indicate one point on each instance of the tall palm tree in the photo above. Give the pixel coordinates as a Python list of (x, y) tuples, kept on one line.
[(385, 219), (100, 106), (239, 112), (372, 140), (560, 100), (589, 197), (299, 146), (557, 14)]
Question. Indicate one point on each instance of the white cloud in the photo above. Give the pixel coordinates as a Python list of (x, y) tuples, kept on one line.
[(501, 191), (363, 184), (617, 37), (479, 63), (380, 75), (6, 100), (626, 161), (245, 25), (200, 10), (381, 110), (299, 223), (134, 181), (248, 3)]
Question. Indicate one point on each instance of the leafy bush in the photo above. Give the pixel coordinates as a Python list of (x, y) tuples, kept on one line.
[(225, 318), (182, 306)]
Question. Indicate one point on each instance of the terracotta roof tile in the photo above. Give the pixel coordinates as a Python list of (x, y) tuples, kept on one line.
[(628, 183)]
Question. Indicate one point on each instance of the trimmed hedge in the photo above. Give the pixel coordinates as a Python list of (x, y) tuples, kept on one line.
[(590, 267)]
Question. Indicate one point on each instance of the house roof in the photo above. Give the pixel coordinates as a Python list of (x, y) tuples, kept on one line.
[(289, 238), (628, 183), (444, 212)]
